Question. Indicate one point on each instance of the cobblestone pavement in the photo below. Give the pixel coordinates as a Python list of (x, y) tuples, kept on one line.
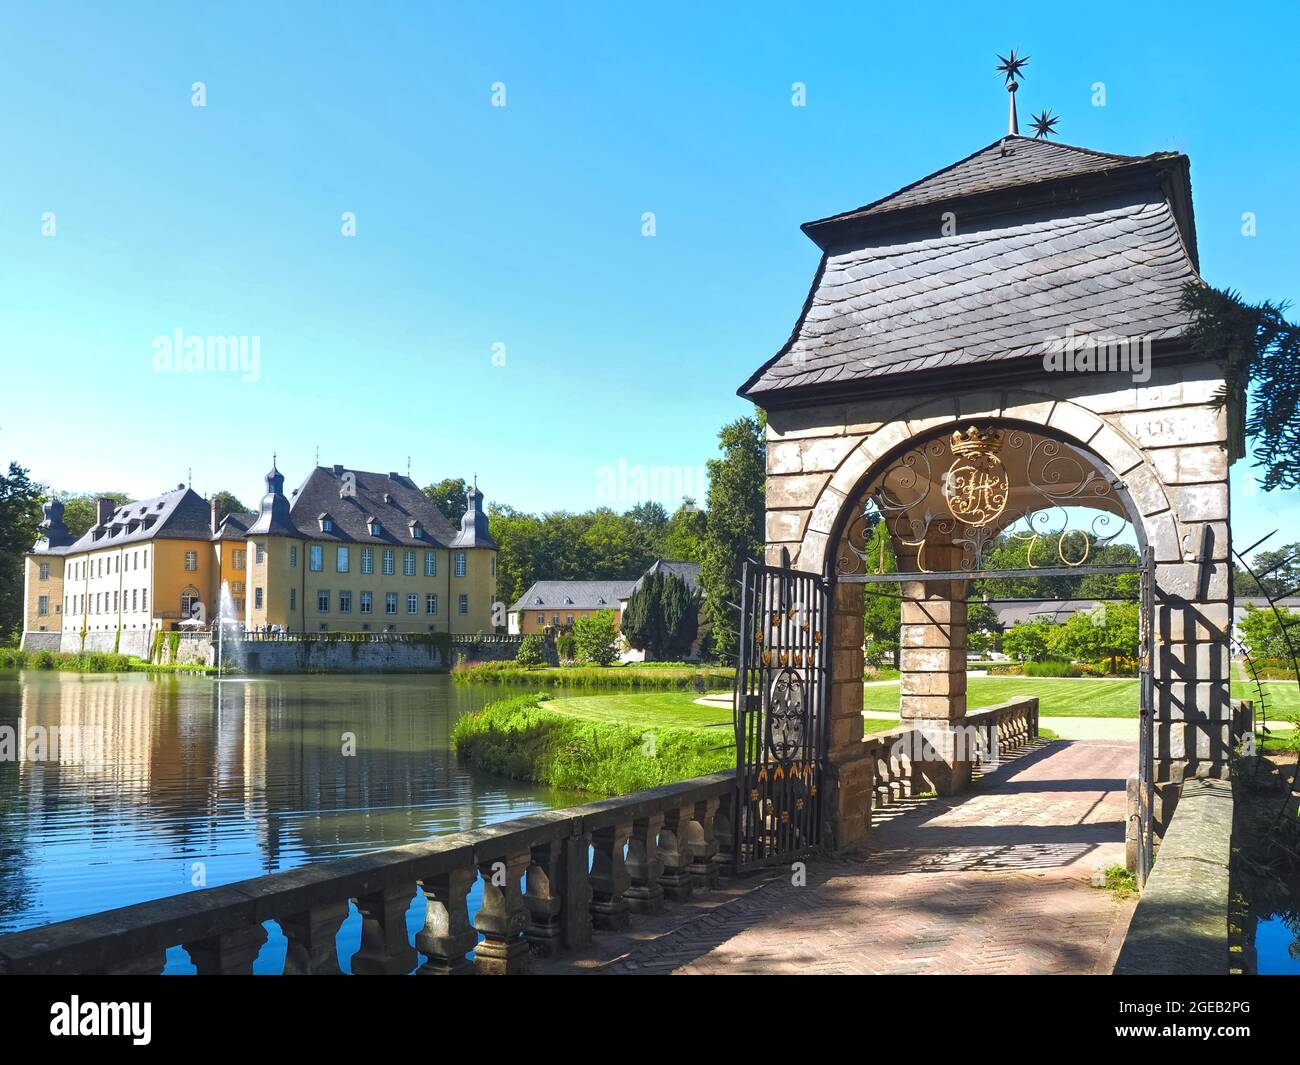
[(992, 881)]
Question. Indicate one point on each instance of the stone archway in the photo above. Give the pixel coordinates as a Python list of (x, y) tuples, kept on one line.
[(821, 460)]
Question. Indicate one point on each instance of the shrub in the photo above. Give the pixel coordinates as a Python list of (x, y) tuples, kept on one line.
[(530, 651), (567, 648), (1050, 669), (596, 636)]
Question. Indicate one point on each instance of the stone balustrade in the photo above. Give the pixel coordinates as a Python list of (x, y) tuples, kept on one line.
[(547, 879)]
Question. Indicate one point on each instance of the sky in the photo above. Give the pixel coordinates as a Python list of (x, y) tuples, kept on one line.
[(499, 311)]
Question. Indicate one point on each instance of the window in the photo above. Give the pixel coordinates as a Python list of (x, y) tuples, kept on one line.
[(431, 603), (460, 563), (463, 606), (412, 603), (389, 562), (408, 563), (189, 601), (323, 601), (494, 565), (345, 602), (316, 558), (191, 560), (45, 571), (293, 555), (367, 603), (116, 602), (257, 597), (367, 560), (144, 599), (569, 620), (390, 603), (293, 598), (237, 559), (541, 619), (261, 555), (135, 600), (341, 560), (43, 605), (144, 558), (430, 564), (555, 618)]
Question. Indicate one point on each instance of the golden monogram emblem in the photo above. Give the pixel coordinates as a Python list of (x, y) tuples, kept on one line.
[(976, 486)]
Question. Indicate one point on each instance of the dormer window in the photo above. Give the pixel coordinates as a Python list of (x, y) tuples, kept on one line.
[(537, 600), (376, 529), (417, 530), (326, 523), (600, 600), (568, 601)]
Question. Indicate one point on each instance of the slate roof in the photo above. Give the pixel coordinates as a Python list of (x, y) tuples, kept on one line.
[(574, 595), (1109, 263), (390, 498), (1007, 163), (687, 571), (181, 514), (235, 525)]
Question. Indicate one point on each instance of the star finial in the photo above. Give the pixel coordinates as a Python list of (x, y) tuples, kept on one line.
[(1044, 124), (1012, 66)]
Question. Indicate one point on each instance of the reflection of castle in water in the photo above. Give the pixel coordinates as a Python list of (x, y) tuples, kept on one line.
[(302, 768)]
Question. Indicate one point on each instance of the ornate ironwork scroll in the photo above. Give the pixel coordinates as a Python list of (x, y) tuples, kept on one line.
[(972, 487)]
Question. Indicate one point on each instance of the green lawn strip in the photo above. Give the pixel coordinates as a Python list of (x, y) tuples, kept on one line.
[(666, 676)]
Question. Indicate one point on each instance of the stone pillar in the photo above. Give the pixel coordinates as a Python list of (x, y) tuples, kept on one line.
[(503, 916), (385, 944), (933, 660), (849, 777), (228, 954), (644, 893), (675, 853), (609, 879), (312, 940)]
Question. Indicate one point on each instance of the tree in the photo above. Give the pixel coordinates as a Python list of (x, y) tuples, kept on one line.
[(1260, 349), (735, 524), (531, 650), (20, 518), (983, 630), (882, 607), (662, 617), (682, 539), (79, 509), (228, 503), (1279, 573), (1028, 641), (1262, 632), (596, 638), (448, 495)]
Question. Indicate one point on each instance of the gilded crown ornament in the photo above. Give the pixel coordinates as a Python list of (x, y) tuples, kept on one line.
[(976, 486)]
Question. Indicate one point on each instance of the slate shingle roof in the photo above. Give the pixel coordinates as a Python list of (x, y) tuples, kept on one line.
[(1009, 162), (574, 595), (319, 494), (181, 514), (996, 294)]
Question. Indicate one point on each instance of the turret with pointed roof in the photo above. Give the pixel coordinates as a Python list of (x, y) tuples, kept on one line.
[(474, 524), (273, 517)]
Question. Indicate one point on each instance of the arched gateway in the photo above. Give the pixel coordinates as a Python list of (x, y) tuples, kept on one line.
[(999, 348)]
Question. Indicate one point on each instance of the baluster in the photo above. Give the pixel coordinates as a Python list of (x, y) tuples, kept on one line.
[(644, 867), (227, 954), (385, 944), (675, 853), (609, 879), (447, 935), (702, 844), (544, 898), (576, 916), (312, 934), (724, 836), (502, 917)]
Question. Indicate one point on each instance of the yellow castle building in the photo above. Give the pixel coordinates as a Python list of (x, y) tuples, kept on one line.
[(346, 551)]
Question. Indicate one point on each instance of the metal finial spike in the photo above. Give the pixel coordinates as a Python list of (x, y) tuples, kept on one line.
[(1044, 124), (1012, 67)]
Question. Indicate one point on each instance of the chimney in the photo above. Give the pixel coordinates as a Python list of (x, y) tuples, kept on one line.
[(216, 515), (103, 510)]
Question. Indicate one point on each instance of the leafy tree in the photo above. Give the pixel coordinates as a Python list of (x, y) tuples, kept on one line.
[(448, 495), (662, 617), (228, 503), (79, 509), (596, 638), (531, 650), (682, 539), (1261, 350), (1279, 573), (1262, 632), (983, 630), (20, 517), (1028, 641), (882, 609), (614, 546), (735, 524)]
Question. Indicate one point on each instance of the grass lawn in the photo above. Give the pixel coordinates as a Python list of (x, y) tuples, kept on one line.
[(662, 710)]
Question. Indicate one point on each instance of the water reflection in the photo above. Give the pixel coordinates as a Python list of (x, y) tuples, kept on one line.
[(204, 784)]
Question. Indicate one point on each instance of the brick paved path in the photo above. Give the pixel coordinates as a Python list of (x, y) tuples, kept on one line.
[(992, 881)]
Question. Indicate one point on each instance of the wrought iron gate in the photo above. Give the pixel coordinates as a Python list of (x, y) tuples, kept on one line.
[(780, 702), (1146, 717)]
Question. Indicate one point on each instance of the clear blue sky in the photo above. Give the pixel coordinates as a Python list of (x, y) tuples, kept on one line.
[(522, 225)]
